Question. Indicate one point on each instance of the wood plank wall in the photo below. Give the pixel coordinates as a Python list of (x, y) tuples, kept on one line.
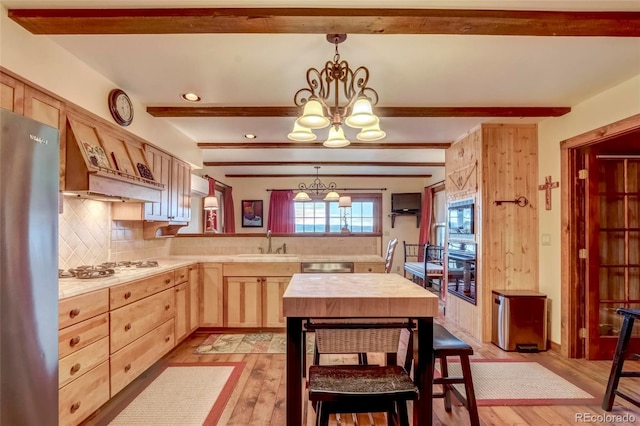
[(507, 235)]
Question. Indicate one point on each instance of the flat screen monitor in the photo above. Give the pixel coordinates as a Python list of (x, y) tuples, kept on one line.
[(406, 202), (460, 218)]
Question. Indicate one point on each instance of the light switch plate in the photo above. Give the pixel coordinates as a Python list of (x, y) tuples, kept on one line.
[(545, 239)]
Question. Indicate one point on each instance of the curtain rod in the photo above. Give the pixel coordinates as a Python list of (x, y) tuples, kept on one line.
[(435, 184), (217, 181), (335, 189)]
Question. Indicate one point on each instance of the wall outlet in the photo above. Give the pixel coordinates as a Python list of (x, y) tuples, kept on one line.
[(545, 239)]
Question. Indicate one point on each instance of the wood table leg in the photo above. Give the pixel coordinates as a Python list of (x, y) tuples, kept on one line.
[(423, 373), (294, 371)]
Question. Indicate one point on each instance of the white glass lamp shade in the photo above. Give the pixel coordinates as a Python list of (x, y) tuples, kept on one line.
[(301, 134), (332, 196), (344, 202), (371, 133), (312, 116), (210, 203), (302, 196), (336, 138), (361, 115)]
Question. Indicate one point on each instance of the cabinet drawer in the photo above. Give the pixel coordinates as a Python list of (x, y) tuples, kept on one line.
[(181, 275), (80, 398), (125, 294), (78, 363), (133, 321), (360, 267), (134, 359), (260, 269), (79, 308), (76, 337)]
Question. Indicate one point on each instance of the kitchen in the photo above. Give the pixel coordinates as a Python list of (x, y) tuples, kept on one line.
[(89, 236)]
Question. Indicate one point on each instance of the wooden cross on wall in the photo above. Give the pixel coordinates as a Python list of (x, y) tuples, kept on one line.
[(547, 187)]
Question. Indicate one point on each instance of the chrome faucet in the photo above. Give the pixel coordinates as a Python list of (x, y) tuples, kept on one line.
[(269, 250)]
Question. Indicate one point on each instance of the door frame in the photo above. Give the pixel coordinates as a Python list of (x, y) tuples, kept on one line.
[(571, 288)]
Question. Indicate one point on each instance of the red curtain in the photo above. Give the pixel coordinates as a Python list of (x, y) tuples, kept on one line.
[(426, 217), (282, 214), (229, 214)]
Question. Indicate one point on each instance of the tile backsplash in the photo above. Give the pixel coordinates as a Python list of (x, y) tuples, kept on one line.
[(88, 236), (84, 233)]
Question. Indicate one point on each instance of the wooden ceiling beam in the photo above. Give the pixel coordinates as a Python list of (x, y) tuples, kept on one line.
[(316, 145), (324, 163), (293, 111), (327, 21), (409, 175)]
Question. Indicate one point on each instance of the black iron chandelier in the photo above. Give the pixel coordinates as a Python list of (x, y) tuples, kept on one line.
[(317, 187), (320, 102)]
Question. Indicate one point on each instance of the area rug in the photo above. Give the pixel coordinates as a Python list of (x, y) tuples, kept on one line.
[(256, 343), (183, 394), (521, 383)]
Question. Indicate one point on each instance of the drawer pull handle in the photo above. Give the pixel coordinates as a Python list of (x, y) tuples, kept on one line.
[(74, 341), (191, 268), (166, 339), (166, 307), (74, 407), (167, 281), (75, 368), (74, 313), (127, 368), (127, 326), (181, 276), (127, 295)]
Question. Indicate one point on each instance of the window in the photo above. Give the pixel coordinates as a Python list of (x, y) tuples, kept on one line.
[(320, 216)]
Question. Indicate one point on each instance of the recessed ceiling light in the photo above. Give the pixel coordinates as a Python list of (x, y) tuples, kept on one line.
[(190, 97), (250, 136)]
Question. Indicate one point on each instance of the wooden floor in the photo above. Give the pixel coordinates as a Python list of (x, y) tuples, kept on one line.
[(259, 397)]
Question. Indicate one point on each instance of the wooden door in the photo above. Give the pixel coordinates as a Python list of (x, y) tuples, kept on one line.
[(180, 192), (613, 249), (272, 290), (211, 296), (243, 302), (160, 165), (182, 311), (194, 297)]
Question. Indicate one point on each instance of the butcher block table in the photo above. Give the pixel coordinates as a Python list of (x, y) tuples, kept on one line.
[(358, 296)]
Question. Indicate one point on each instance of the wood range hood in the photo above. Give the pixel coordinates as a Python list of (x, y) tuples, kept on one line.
[(102, 164)]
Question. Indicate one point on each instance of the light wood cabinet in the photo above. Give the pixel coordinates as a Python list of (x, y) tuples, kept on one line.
[(182, 311), (368, 267), (175, 204), (80, 398), (134, 359), (272, 290), (135, 320), (211, 296), (83, 351), (194, 297), (124, 294), (243, 301), (11, 94)]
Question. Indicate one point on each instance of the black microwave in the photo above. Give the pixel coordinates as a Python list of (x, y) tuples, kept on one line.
[(460, 218)]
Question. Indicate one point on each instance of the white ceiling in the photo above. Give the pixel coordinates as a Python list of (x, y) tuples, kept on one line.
[(406, 70)]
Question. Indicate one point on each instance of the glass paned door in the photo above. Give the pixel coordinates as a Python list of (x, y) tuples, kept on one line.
[(613, 247)]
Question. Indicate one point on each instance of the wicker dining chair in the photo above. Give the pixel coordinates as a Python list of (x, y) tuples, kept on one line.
[(363, 388)]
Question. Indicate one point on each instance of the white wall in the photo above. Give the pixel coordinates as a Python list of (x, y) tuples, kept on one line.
[(612, 105), (43, 62)]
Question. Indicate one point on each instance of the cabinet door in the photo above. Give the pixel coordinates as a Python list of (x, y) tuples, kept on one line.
[(243, 301), (160, 165), (194, 297), (182, 311), (211, 300), (11, 94), (272, 290), (180, 192), (43, 108)]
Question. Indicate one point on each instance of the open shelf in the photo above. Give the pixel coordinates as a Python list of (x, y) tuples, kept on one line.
[(416, 214)]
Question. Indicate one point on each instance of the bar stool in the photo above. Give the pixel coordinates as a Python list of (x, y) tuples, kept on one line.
[(618, 361), (446, 344)]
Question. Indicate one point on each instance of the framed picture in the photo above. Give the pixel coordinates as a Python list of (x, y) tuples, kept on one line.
[(252, 214)]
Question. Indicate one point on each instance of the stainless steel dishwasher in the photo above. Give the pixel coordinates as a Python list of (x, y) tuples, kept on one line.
[(326, 267)]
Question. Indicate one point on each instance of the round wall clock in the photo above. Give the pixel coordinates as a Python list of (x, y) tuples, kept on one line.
[(120, 107)]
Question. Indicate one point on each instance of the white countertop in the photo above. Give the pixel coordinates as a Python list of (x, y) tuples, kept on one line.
[(68, 287)]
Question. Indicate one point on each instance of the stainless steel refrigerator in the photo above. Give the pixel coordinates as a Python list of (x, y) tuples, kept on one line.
[(29, 164)]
